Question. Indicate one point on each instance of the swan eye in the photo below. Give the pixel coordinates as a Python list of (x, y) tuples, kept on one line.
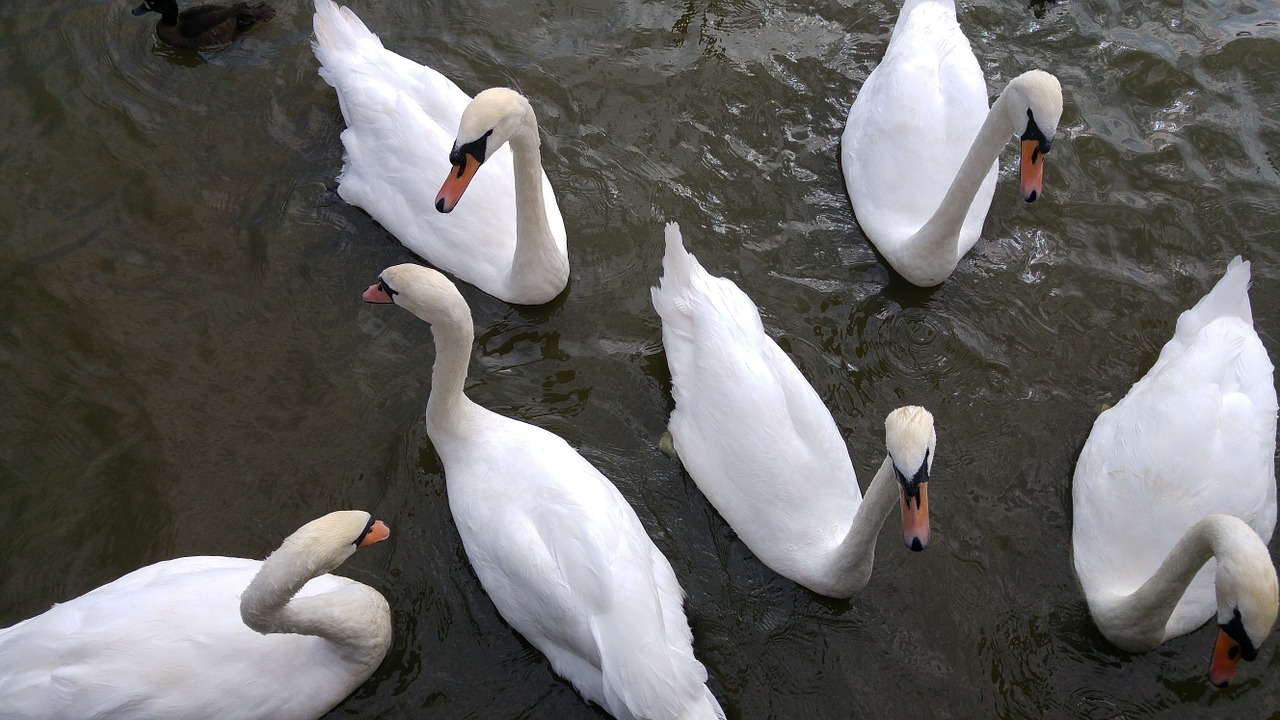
[(1235, 631), (911, 485), (368, 526), (476, 148), (1033, 132), (384, 287)]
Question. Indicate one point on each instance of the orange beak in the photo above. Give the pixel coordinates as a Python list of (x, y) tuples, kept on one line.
[(456, 184), (915, 518), (376, 534), (1032, 170), (1226, 657), (375, 294)]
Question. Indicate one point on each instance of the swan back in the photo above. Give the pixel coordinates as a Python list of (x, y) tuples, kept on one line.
[(1195, 436), (750, 429)]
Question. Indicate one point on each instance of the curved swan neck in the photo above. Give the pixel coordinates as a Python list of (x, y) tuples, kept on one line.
[(453, 334), (852, 559), (537, 261), (1137, 622), (348, 616), (938, 236)]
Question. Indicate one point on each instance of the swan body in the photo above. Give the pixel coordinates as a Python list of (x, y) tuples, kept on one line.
[(554, 544), (1177, 474), (920, 146), (763, 448), (507, 238), (169, 641)]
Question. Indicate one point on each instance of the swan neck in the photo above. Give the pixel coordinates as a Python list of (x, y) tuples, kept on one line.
[(940, 233), (354, 617), (1137, 622), (536, 255), (453, 336), (854, 556)]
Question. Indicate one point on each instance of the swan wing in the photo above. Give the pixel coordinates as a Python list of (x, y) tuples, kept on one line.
[(911, 126), (752, 432)]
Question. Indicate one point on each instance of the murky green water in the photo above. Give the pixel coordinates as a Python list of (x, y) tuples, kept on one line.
[(188, 369)]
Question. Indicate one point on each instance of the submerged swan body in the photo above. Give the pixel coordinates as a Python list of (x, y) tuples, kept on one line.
[(763, 448), (1174, 496), (221, 638), (555, 545), (410, 129), (920, 146)]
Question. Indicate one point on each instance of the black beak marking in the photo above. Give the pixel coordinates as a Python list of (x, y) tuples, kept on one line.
[(1033, 132), (1235, 631), (368, 526)]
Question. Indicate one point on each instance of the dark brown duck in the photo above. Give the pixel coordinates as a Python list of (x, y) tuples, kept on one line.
[(204, 25)]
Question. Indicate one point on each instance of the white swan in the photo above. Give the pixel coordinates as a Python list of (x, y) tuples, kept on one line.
[(174, 639), (760, 444), (920, 147), (561, 553), (1179, 473), (508, 238)]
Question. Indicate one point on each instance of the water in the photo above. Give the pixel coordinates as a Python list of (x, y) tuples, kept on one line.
[(188, 368)]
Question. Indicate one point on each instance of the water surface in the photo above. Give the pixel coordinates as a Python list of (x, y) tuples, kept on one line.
[(188, 368)]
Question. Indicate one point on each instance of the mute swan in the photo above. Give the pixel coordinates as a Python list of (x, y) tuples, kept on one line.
[(920, 147), (561, 553), (759, 443), (508, 238), (1180, 473), (174, 639)]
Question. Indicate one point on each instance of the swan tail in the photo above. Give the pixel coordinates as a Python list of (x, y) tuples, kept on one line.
[(340, 36), (645, 677), (678, 269), (1228, 298), (713, 704), (674, 300), (337, 27)]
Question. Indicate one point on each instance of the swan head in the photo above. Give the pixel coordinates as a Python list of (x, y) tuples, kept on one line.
[(1034, 109), (329, 540), (422, 291), (1248, 601), (488, 122), (911, 441)]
